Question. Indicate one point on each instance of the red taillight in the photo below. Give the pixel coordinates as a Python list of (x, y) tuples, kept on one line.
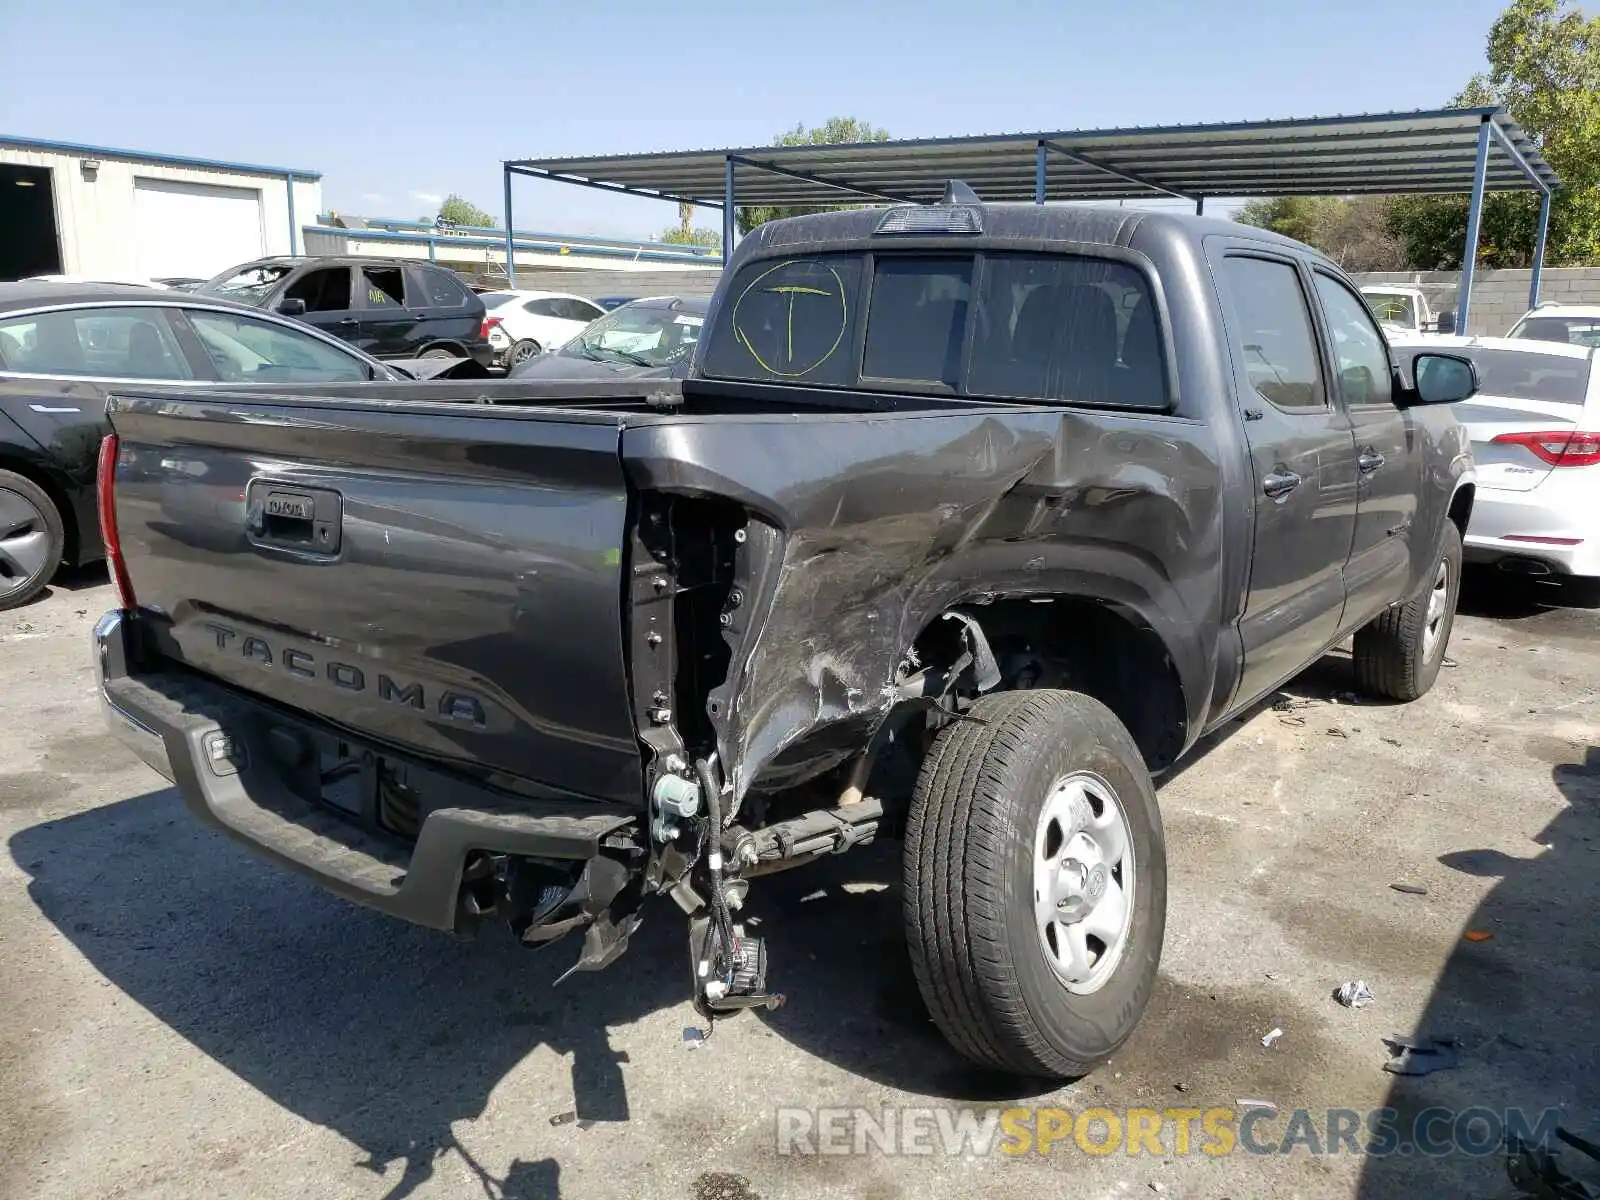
[(1563, 448), (488, 324), (105, 486)]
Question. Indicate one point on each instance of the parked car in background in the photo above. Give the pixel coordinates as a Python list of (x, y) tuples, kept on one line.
[(181, 283), (1405, 310), (1574, 324), (1535, 429), (64, 347), (118, 280), (388, 308), (529, 323), (654, 336), (610, 302)]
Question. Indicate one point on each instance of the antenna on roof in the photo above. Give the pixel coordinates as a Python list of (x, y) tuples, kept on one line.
[(956, 192)]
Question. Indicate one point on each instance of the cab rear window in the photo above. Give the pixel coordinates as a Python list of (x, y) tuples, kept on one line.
[(1060, 328)]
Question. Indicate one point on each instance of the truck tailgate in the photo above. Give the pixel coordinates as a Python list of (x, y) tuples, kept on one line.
[(442, 579)]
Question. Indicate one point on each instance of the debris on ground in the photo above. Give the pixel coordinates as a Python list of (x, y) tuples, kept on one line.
[(1335, 731), (1157, 1187), (1181, 1087), (693, 1038), (1245, 1102), (1393, 741), (566, 1118), (1271, 1037), (1272, 974), (1354, 993), (1410, 889), (1479, 935), (1420, 1056), (1450, 662)]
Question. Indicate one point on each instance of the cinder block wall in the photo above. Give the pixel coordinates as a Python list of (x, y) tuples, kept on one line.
[(1498, 297)]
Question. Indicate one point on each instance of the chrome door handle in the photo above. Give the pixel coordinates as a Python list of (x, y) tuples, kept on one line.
[(1369, 461), (1279, 484)]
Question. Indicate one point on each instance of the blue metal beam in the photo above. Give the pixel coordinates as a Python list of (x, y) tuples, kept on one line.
[(730, 210), (1515, 156), (1040, 154), (620, 188), (1469, 256), (511, 248), (1125, 176), (1538, 251)]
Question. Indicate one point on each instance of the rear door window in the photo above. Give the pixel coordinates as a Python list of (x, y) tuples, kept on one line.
[(442, 289), (326, 289), (1272, 328), (95, 343), (384, 287)]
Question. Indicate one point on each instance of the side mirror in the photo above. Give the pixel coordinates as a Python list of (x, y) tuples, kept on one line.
[(1444, 378), (1447, 321), (292, 307)]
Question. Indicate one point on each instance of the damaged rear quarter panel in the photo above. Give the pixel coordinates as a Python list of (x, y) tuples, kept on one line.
[(885, 520)]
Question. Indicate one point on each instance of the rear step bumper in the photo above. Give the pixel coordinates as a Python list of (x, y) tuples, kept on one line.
[(211, 742)]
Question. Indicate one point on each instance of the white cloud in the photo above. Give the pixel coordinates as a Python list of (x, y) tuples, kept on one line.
[(431, 199)]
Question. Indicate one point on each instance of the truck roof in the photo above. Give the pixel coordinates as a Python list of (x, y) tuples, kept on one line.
[(1091, 224)]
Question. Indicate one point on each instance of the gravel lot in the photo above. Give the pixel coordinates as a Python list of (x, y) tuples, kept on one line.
[(177, 1020)]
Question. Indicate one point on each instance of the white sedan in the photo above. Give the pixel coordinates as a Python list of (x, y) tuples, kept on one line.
[(520, 325), (1535, 429)]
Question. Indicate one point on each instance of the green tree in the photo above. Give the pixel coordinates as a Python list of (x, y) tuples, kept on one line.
[(678, 236), (1354, 232), (1297, 217), (1544, 65), (835, 131), (457, 210)]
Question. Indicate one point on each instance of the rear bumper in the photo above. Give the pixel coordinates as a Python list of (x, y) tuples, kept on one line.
[(1503, 522), (226, 755)]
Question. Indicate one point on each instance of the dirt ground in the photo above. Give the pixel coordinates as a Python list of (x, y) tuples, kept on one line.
[(179, 1020)]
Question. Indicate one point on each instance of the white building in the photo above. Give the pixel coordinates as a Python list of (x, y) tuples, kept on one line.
[(94, 211)]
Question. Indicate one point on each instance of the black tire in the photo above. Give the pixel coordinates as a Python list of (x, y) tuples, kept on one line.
[(441, 352), (522, 351), (1393, 653), (978, 955), (31, 540)]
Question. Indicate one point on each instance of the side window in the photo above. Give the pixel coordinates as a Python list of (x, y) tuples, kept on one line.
[(118, 343), (323, 290), (582, 310), (540, 308), (245, 350), (1274, 332), (384, 287), (1359, 351), (442, 289)]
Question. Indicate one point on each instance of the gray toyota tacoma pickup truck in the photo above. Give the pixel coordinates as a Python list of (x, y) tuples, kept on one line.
[(968, 520)]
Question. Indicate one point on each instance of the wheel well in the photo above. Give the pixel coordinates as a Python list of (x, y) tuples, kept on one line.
[(71, 543), (1461, 506), (1087, 646), (457, 347)]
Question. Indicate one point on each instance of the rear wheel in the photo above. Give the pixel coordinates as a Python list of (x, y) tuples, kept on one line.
[(439, 352), (521, 352), (1399, 652), (31, 538), (1035, 883)]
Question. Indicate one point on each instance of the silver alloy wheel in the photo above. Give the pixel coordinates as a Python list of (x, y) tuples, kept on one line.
[(24, 542), (1438, 606), (1083, 881), (523, 351)]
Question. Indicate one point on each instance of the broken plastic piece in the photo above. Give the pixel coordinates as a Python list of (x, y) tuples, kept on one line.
[(693, 1039), (1243, 1102), (1410, 889), (1479, 935), (565, 1118), (1420, 1056), (1271, 1037), (1354, 994)]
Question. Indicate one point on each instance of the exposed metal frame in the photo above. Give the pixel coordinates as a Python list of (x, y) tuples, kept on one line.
[(1439, 150)]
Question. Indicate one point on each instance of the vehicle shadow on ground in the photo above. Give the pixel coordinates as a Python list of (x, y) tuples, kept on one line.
[(1522, 1016), (389, 1034), (68, 579), (1497, 595)]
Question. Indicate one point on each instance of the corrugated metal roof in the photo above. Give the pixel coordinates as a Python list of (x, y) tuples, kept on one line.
[(1407, 152), (145, 156)]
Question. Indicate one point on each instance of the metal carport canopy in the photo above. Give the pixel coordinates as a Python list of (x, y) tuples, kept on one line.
[(1444, 150)]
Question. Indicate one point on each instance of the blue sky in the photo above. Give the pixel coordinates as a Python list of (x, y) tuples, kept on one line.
[(398, 103)]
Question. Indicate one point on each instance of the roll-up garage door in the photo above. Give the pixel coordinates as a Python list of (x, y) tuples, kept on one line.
[(196, 229)]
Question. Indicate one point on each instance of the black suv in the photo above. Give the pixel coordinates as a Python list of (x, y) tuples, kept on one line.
[(388, 308)]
